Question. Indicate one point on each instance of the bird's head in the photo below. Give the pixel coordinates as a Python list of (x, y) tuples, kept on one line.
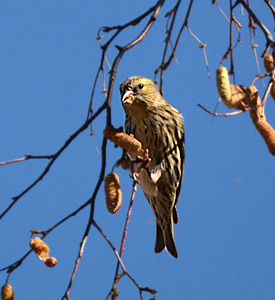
[(139, 93)]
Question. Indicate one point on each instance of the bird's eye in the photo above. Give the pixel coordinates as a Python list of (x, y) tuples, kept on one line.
[(140, 86)]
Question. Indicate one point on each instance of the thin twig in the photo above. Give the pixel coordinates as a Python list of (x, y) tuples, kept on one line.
[(222, 12), (235, 113), (80, 253), (231, 71), (267, 91), (125, 272), (110, 244), (13, 161), (202, 46), (27, 156)]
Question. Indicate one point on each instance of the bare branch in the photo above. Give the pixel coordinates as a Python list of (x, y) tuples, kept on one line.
[(16, 264), (268, 35), (27, 156), (165, 64), (269, 4), (235, 113), (169, 29)]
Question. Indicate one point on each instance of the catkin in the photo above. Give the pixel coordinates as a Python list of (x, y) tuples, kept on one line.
[(223, 84), (269, 63), (268, 134), (123, 140), (259, 119), (50, 262), (42, 251), (40, 248), (7, 292), (112, 192)]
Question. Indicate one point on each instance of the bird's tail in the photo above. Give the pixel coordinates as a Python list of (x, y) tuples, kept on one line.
[(165, 238)]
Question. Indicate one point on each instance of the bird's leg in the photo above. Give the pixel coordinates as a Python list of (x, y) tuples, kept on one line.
[(135, 177), (145, 161), (127, 162)]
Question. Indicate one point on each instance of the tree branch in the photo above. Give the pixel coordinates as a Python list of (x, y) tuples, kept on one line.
[(268, 35)]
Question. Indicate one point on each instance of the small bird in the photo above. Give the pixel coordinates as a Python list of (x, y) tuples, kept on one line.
[(159, 127)]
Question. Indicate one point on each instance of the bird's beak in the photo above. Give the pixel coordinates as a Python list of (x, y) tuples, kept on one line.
[(127, 98)]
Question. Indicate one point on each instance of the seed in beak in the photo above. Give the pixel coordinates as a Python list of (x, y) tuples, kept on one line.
[(128, 98)]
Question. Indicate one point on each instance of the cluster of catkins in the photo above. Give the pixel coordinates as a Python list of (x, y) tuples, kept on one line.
[(240, 97), (42, 251)]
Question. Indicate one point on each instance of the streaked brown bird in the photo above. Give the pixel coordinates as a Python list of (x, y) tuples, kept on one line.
[(159, 127)]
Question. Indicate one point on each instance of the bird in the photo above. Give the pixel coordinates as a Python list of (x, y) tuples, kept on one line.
[(159, 127)]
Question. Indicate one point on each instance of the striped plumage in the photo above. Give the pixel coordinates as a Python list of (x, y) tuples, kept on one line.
[(159, 127)]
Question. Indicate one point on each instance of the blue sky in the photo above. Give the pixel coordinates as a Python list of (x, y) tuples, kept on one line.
[(225, 236)]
